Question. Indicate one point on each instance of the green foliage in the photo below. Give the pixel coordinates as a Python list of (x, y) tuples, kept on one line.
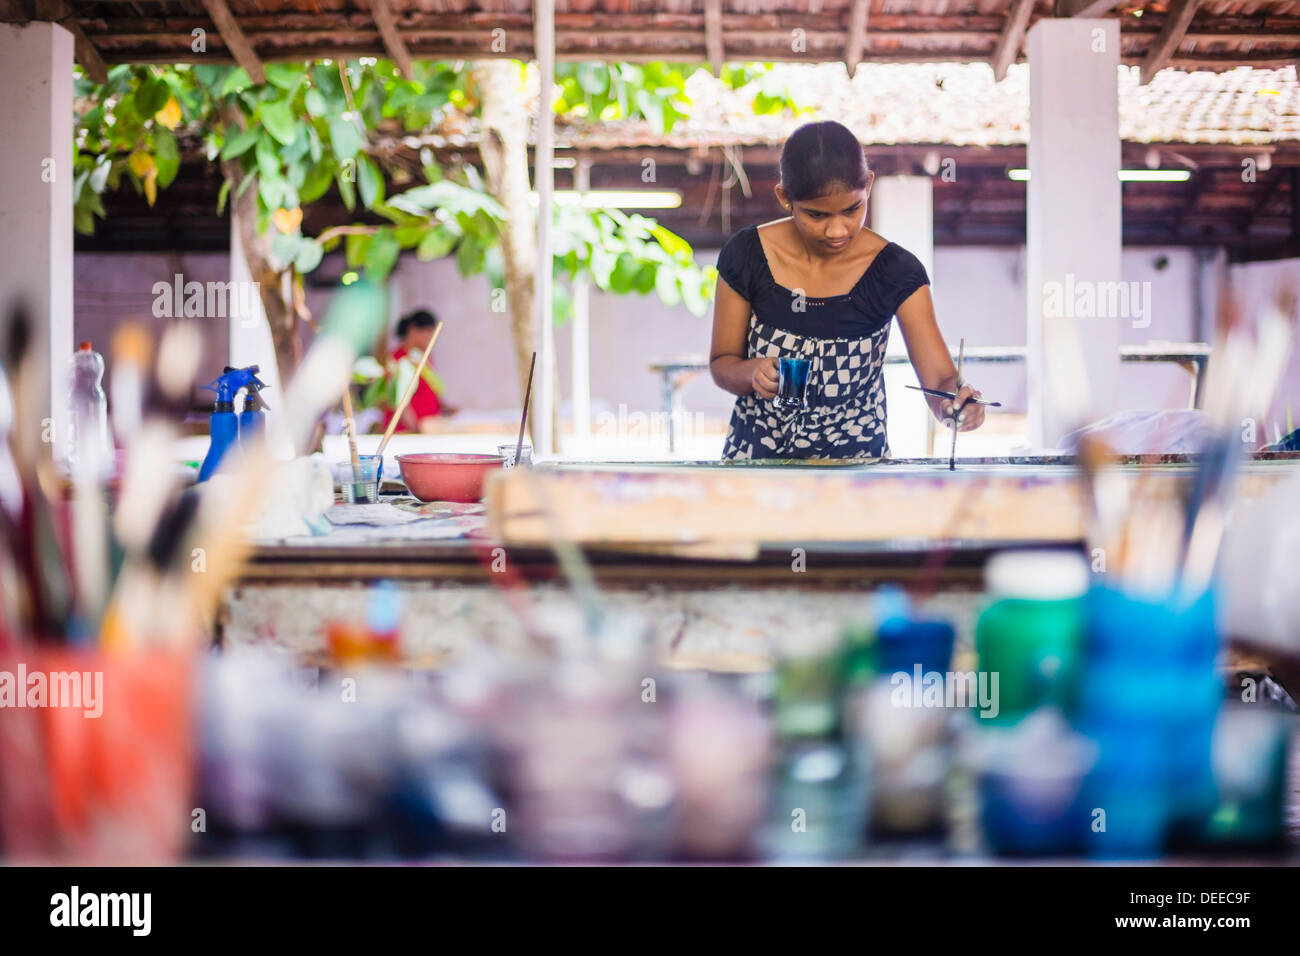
[(772, 94), (655, 92), (310, 129)]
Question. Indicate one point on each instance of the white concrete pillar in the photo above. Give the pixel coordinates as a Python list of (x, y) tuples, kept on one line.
[(36, 202), (902, 210), (543, 402), (1073, 225), (580, 343), (250, 343)]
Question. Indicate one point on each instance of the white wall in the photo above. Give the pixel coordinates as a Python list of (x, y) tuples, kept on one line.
[(1253, 284), (978, 293)]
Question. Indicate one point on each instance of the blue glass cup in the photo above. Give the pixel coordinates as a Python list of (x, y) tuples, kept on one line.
[(792, 382)]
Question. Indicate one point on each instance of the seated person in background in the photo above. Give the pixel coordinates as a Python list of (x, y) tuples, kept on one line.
[(413, 333)]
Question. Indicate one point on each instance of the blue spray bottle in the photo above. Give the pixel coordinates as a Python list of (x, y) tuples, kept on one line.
[(224, 427), (252, 420)]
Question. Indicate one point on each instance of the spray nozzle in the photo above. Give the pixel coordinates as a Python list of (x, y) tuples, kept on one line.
[(230, 381)]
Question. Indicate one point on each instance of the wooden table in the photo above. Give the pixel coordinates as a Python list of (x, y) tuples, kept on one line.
[(1192, 356), (795, 548)]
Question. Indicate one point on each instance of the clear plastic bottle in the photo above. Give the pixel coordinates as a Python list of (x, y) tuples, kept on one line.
[(91, 445)]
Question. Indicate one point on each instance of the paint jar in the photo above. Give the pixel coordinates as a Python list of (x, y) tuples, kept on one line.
[(792, 383), (817, 806), (1031, 785), (809, 681), (1149, 697), (507, 452), (1031, 632), (1250, 754), (362, 491)]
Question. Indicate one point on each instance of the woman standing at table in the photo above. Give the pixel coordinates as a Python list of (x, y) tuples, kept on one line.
[(819, 285)]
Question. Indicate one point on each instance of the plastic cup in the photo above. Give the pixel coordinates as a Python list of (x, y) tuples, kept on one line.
[(365, 491), (507, 452)]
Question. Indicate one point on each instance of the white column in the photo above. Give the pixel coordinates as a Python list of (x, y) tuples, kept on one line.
[(250, 343), (543, 404), (36, 202), (580, 343), (902, 210), (1073, 226)]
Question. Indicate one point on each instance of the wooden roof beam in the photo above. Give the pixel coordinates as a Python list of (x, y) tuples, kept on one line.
[(856, 41), (385, 20), (1083, 8), (87, 55), (1012, 38), (235, 40), (1177, 20), (713, 45)]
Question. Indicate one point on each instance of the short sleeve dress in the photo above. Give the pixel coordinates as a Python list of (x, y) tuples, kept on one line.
[(844, 339)]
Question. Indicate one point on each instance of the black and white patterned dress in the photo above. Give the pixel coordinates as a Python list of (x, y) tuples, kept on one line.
[(844, 339)]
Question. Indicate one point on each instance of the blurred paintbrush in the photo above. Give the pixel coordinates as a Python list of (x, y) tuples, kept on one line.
[(405, 400)]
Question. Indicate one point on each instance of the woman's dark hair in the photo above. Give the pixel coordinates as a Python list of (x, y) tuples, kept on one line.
[(419, 319), (821, 158)]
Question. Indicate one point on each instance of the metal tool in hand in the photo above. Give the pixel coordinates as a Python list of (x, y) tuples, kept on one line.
[(940, 393)]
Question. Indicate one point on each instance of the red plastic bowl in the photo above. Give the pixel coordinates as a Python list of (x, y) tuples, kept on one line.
[(447, 477)]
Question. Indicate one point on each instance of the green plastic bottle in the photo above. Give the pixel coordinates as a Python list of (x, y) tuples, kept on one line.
[(1029, 638)]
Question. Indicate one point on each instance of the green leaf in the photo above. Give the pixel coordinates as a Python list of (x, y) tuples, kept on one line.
[(344, 137), (358, 244), (317, 182), (673, 244), (237, 80), (309, 256), (152, 96), (222, 195), (286, 76), (469, 255), (625, 273), (210, 75), (410, 235), (271, 190), (436, 243), (278, 119), (239, 144), (645, 278), (268, 163), (166, 156), (284, 246), (371, 181), (382, 254), (300, 145), (347, 190), (315, 102), (83, 221)]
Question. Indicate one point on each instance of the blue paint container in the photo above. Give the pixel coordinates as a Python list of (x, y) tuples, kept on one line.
[(1149, 698), (902, 644)]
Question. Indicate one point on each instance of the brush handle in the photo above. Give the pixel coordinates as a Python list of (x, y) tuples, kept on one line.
[(410, 391), (350, 425), (528, 394)]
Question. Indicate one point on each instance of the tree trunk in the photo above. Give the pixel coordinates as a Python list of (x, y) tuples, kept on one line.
[(280, 315), (504, 148)]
